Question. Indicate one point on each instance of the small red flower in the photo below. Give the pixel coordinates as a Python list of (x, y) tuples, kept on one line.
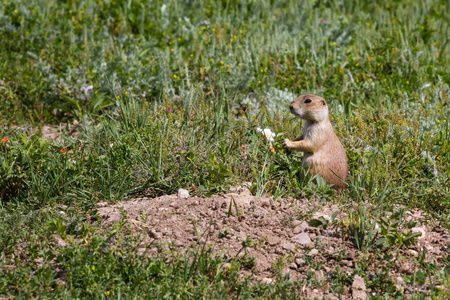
[(168, 109), (5, 139), (273, 150), (63, 150), (244, 148)]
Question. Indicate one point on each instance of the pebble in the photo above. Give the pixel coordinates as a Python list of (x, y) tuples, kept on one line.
[(174, 205), (302, 238), (61, 242), (265, 203), (153, 234), (300, 228), (300, 262), (412, 253), (289, 246), (331, 297), (313, 252), (267, 281), (182, 193), (319, 275), (295, 223)]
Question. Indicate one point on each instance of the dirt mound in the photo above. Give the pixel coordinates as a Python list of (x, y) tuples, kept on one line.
[(276, 234)]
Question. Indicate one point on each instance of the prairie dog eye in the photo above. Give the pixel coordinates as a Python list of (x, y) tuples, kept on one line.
[(308, 101)]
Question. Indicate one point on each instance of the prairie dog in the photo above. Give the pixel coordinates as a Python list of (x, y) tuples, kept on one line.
[(323, 152)]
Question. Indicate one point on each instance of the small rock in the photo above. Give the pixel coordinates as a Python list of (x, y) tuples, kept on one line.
[(174, 205), (318, 275), (293, 266), (60, 281), (351, 255), (273, 240), (288, 246), (313, 252), (279, 251), (412, 253), (407, 267), (153, 234), (331, 297), (265, 203), (295, 223), (419, 229), (319, 215), (300, 262), (359, 288), (60, 241), (300, 228), (182, 193), (267, 280), (302, 238)]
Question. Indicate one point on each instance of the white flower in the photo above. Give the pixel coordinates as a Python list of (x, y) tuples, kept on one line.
[(269, 134), (111, 145), (258, 129), (86, 89), (163, 8)]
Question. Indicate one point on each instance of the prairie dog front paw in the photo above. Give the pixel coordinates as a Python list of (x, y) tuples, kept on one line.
[(287, 144)]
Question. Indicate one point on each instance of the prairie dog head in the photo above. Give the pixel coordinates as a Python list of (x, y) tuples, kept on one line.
[(310, 107)]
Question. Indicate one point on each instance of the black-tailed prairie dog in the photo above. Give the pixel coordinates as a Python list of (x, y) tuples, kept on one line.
[(323, 152)]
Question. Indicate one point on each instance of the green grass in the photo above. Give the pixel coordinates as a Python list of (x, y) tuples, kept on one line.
[(178, 89)]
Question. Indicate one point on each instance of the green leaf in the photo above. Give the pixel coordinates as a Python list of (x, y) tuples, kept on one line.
[(315, 223)]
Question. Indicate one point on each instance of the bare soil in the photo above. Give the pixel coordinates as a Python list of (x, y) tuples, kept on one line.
[(269, 227)]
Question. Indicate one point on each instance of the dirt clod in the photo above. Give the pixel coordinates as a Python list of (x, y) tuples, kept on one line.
[(359, 288)]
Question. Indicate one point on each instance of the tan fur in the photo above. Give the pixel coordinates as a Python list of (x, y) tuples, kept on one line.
[(324, 153)]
